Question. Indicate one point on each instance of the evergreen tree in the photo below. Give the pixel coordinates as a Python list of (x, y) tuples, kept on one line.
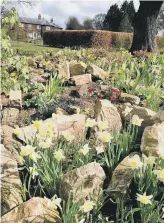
[(113, 18), (131, 11), (125, 25)]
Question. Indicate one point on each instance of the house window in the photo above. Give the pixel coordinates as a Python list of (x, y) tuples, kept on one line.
[(47, 27), (29, 26), (38, 27)]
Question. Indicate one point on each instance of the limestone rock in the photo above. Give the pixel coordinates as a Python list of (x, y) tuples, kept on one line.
[(83, 183), (77, 68), (15, 99), (10, 182), (143, 113), (132, 99), (121, 180), (153, 139), (63, 70), (10, 116), (106, 111), (34, 210), (10, 143), (96, 71), (82, 79)]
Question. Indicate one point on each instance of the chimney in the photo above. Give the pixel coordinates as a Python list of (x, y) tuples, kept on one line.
[(39, 17), (51, 20)]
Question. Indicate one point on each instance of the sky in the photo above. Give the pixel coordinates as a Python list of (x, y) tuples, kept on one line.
[(61, 10)]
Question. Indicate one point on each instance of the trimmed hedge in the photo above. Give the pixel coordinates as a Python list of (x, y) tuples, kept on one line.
[(78, 38), (91, 39)]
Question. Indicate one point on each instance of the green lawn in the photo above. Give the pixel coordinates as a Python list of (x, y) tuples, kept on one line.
[(31, 47)]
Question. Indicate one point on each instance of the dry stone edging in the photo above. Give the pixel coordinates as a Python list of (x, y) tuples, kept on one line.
[(10, 182)]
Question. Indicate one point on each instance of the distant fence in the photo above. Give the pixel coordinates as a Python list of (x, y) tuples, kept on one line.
[(91, 39)]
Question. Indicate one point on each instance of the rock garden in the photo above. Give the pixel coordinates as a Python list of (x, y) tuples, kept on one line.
[(82, 137)]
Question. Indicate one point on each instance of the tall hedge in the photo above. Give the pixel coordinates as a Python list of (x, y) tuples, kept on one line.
[(91, 39), (78, 38)]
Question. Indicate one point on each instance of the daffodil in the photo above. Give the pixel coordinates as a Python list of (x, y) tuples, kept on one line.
[(150, 160), (160, 174), (37, 124), (144, 199), (54, 202), (27, 150), (87, 206), (33, 172), (46, 144), (34, 156), (103, 125), (100, 149), (90, 122), (105, 136), (68, 136), (85, 149), (59, 155), (136, 120), (17, 131), (127, 111), (135, 162)]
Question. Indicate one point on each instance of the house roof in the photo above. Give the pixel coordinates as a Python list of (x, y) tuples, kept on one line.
[(41, 22)]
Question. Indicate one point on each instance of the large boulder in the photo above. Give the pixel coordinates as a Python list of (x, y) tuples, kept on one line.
[(121, 179), (106, 111), (34, 210), (96, 71), (83, 183), (77, 68), (81, 80), (63, 70), (153, 139), (10, 182), (10, 116)]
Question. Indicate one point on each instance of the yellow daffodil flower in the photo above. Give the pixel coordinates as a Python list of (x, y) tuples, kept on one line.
[(17, 131), (27, 150), (144, 199), (38, 124), (46, 144), (105, 136), (100, 149), (135, 162), (103, 125), (59, 155), (85, 149), (150, 160), (127, 111), (90, 122), (68, 136), (34, 156), (87, 206), (136, 120), (160, 174)]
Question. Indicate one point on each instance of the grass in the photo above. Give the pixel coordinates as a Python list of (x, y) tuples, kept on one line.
[(31, 47)]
